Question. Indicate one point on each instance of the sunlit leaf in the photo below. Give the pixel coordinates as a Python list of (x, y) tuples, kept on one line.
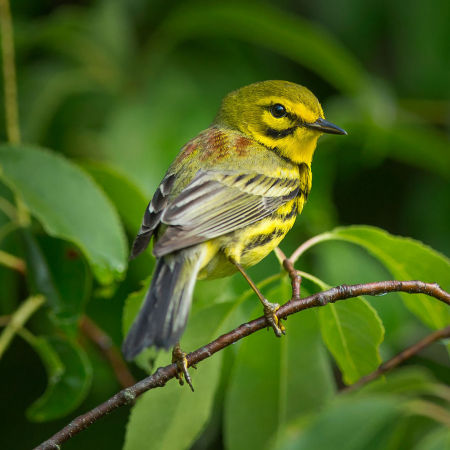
[(406, 259), (353, 333), (69, 205)]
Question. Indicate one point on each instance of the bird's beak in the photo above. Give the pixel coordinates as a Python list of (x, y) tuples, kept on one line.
[(324, 126)]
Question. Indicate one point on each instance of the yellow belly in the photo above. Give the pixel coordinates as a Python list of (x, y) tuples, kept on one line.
[(251, 244)]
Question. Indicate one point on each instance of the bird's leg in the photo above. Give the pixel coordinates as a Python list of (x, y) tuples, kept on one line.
[(270, 309), (179, 357)]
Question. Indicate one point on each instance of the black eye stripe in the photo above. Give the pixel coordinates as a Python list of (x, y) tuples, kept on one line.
[(280, 134)]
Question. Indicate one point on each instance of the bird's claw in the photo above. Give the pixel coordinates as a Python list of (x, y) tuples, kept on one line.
[(179, 357), (270, 310)]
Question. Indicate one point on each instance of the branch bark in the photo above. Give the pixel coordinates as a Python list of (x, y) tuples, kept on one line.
[(105, 344), (164, 374), (400, 358)]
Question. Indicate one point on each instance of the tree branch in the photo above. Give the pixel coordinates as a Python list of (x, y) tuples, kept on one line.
[(109, 351), (400, 358), (164, 374)]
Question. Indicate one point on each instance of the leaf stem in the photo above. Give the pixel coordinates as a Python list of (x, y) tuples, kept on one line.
[(308, 244), (9, 74), (105, 344), (12, 262), (8, 208), (18, 319)]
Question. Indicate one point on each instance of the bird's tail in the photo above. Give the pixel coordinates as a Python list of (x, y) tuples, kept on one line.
[(162, 318)]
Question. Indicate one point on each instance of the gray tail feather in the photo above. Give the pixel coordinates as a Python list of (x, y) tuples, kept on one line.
[(163, 316)]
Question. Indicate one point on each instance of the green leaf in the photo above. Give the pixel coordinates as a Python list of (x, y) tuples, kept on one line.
[(56, 269), (350, 424), (406, 259), (288, 35), (438, 439), (407, 381), (128, 199), (353, 333), (69, 377), (69, 205), (173, 417), (275, 379), (72, 280)]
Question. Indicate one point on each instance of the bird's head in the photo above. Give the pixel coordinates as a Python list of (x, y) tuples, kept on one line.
[(278, 114)]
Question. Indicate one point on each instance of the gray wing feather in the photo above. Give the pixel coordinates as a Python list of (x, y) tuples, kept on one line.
[(217, 203), (152, 215)]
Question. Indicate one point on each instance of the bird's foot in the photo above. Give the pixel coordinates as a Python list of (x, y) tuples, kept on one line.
[(179, 357), (270, 310)]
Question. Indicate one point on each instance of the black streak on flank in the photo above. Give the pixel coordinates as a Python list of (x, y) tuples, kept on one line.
[(280, 134), (289, 215), (263, 239), (304, 172)]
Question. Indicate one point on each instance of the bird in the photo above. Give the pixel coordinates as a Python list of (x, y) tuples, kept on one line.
[(227, 200)]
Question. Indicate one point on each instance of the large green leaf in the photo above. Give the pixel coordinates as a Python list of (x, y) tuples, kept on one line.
[(128, 199), (69, 205), (353, 333), (69, 377), (438, 439), (275, 379), (56, 269), (173, 417), (350, 424), (407, 382), (406, 259)]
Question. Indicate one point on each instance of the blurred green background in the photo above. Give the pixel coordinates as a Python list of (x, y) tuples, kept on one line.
[(118, 86)]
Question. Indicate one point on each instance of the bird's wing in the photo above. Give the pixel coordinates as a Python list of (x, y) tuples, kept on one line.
[(152, 215), (218, 202)]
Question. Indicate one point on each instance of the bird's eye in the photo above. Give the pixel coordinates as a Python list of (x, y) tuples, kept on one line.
[(278, 110)]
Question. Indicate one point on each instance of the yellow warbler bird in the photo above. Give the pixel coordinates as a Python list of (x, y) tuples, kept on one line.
[(228, 199)]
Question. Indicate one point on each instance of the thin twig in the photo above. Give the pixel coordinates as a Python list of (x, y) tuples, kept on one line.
[(164, 374), (12, 262), (400, 358), (9, 74), (308, 244), (8, 208), (294, 275), (18, 319), (109, 351), (296, 278)]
